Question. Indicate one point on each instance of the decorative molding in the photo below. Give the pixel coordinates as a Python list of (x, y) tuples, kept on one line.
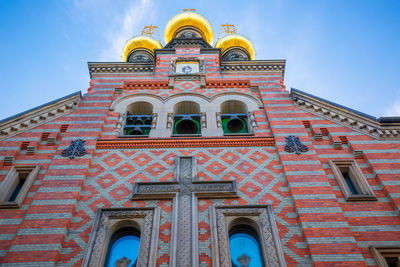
[(363, 189), (185, 142), (109, 220), (145, 85), (118, 67), (37, 116), (11, 181), (253, 65), (378, 128), (185, 189), (223, 83), (186, 42), (261, 216)]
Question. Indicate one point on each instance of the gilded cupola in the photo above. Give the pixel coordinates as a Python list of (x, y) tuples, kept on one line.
[(140, 49), (235, 47), (188, 24)]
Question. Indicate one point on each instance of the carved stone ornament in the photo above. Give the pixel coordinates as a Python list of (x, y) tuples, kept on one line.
[(106, 223), (120, 123), (262, 215), (184, 191)]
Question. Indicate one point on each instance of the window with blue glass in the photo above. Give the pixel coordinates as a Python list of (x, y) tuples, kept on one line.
[(245, 248), (124, 248)]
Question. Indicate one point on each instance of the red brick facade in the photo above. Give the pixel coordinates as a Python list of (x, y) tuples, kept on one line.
[(316, 225)]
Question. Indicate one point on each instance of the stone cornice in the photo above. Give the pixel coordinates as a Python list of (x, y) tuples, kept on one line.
[(38, 115), (253, 65), (155, 84), (185, 142), (118, 67), (381, 128)]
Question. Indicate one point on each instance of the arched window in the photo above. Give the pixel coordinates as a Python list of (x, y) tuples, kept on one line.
[(187, 118), (123, 250), (139, 118), (140, 56), (234, 117), (245, 248), (235, 54), (189, 32)]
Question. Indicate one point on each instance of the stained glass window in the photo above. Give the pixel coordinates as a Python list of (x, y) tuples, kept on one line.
[(245, 248), (124, 248)]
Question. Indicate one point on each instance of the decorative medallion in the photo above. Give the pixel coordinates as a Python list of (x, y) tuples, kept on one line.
[(75, 149), (293, 144)]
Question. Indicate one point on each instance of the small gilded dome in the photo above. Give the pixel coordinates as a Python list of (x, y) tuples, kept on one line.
[(236, 40), (188, 19), (140, 42)]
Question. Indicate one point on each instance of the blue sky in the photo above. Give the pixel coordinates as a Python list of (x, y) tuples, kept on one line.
[(346, 51)]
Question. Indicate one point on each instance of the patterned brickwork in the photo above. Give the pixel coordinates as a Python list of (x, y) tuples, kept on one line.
[(316, 224), (112, 174)]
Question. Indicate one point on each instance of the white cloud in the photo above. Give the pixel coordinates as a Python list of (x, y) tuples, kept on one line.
[(138, 14), (393, 110)]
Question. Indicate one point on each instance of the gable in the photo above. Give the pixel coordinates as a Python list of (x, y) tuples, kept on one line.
[(380, 128)]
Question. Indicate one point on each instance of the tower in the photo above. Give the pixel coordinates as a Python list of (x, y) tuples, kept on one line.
[(193, 153)]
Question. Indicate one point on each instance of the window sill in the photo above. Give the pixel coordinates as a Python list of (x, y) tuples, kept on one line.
[(9, 205), (238, 134), (360, 197), (186, 135), (133, 136)]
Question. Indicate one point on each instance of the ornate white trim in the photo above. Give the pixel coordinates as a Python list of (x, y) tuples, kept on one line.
[(261, 216), (39, 115), (346, 117), (253, 65), (108, 220)]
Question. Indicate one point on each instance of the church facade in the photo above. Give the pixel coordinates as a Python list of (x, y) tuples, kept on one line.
[(194, 153)]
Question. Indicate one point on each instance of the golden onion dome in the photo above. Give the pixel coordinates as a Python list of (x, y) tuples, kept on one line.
[(143, 42), (188, 19), (236, 40)]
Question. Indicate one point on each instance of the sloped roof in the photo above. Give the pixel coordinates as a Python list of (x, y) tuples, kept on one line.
[(380, 128), (41, 114)]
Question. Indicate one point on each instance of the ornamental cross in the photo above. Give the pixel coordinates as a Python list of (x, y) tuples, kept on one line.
[(294, 144), (75, 149), (149, 30), (184, 191), (229, 28)]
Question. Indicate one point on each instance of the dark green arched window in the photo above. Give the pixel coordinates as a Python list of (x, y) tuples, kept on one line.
[(245, 248), (124, 248)]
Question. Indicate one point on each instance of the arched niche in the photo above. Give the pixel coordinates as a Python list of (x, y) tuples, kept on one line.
[(234, 117), (137, 114), (233, 106), (186, 107), (187, 118), (140, 108), (250, 101), (121, 104)]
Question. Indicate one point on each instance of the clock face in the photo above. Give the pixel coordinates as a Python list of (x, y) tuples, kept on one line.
[(187, 67)]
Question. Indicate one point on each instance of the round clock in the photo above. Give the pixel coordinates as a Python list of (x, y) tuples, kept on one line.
[(187, 69)]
